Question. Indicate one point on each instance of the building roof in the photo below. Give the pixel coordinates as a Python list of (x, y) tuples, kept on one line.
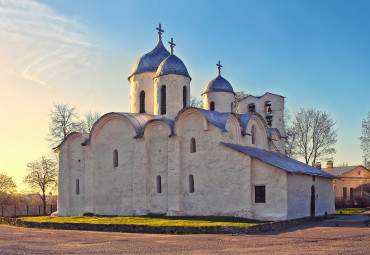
[(218, 84), (281, 161), (172, 65), (150, 61), (338, 171), (219, 119)]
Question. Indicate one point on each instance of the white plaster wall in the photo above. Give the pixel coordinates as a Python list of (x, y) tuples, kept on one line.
[(261, 134), (277, 106), (275, 181), (76, 158), (113, 186), (299, 196), (221, 176), (156, 137), (139, 82), (234, 131), (222, 100), (174, 94)]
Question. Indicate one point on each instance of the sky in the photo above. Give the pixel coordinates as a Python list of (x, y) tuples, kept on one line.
[(80, 52)]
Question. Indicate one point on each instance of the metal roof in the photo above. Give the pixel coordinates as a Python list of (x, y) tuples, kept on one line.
[(172, 65), (244, 119), (281, 161), (218, 84), (150, 61), (338, 171), (219, 119)]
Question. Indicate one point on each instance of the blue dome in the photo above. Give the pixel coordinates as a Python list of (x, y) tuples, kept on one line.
[(218, 84), (150, 61), (172, 65)]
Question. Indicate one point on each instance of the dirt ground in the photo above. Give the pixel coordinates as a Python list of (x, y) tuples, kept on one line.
[(343, 235)]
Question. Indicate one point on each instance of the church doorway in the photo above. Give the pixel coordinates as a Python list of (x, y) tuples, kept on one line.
[(312, 201)]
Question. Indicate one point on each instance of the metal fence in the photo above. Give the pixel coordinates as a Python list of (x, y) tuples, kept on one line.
[(26, 210)]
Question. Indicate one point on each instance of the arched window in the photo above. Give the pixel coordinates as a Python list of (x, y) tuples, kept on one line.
[(142, 102), (77, 187), (115, 158), (193, 146), (163, 100), (251, 108), (159, 184), (191, 183), (232, 107), (212, 106), (253, 134), (184, 96)]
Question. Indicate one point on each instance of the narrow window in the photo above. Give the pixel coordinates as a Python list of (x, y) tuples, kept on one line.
[(159, 184), (77, 186), (259, 194), (351, 193), (163, 100), (345, 193), (251, 108), (232, 107), (184, 94), (191, 183), (212, 106), (268, 107), (253, 134), (193, 146), (142, 102), (115, 158)]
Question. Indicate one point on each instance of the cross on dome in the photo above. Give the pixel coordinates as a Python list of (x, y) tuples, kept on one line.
[(172, 45), (160, 31), (219, 67)]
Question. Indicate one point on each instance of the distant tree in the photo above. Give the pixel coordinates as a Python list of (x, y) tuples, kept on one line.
[(7, 188), (312, 135), (195, 102), (42, 176), (89, 121), (239, 96), (365, 140), (63, 120)]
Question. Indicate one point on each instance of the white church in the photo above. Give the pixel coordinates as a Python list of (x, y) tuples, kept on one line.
[(165, 157)]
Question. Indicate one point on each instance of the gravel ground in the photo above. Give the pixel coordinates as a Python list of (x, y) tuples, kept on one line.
[(343, 235)]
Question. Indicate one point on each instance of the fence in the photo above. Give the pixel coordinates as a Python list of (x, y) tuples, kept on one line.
[(26, 210)]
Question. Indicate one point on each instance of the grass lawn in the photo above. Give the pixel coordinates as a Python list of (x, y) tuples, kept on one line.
[(193, 221), (349, 210)]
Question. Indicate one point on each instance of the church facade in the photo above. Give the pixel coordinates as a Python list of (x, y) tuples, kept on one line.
[(165, 157)]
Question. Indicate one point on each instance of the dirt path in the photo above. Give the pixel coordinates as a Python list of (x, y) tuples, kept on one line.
[(351, 236)]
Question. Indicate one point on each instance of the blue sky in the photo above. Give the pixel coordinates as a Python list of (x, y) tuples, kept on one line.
[(315, 53)]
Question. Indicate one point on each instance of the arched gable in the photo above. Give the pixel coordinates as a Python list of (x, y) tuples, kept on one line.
[(154, 122), (137, 122), (234, 128), (69, 138), (262, 133), (185, 113)]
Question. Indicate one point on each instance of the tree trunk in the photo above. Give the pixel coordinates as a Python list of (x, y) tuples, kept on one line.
[(44, 203)]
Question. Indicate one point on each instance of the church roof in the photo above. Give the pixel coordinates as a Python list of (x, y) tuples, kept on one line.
[(218, 84), (219, 119), (281, 161), (172, 65), (150, 61)]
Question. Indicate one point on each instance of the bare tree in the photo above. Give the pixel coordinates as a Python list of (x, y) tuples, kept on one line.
[(239, 96), (90, 119), (365, 140), (7, 188), (64, 120), (42, 176), (195, 102), (312, 135)]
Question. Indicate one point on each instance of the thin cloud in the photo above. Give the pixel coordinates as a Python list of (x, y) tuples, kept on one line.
[(36, 40)]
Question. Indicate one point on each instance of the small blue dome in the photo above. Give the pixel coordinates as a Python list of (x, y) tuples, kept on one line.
[(218, 84), (150, 61), (172, 65)]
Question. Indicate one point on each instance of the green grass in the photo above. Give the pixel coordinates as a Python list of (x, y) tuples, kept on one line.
[(349, 210), (196, 221)]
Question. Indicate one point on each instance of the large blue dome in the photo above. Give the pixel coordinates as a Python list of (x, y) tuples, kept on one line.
[(172, 65), (218, 84), (150, 61)]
